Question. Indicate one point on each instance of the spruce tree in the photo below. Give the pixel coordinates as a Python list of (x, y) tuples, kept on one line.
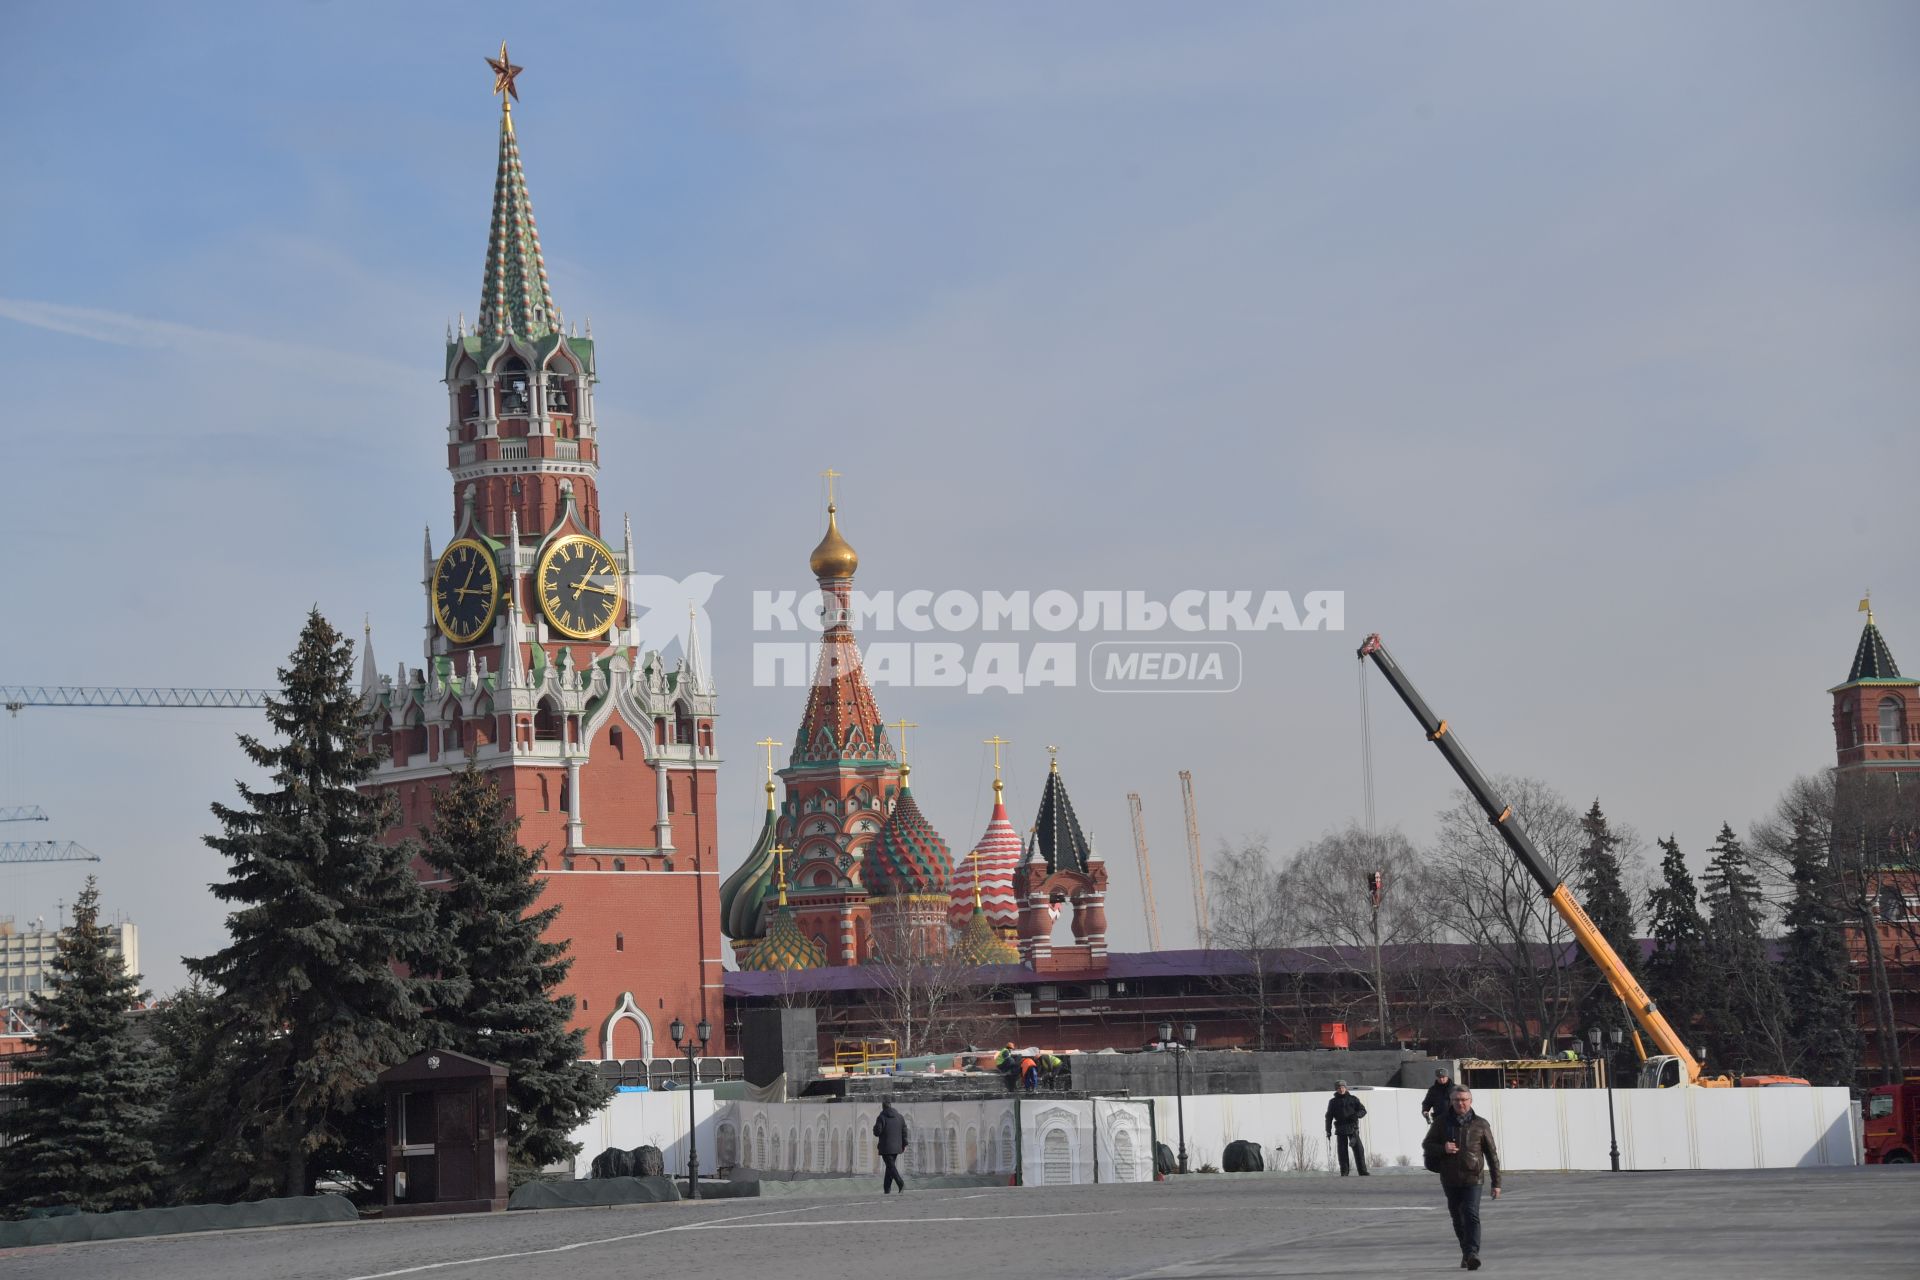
[(318, 986), (193, 1123), (1677, 968), (81, 1133), (1816, 977), (1746, 1018), (1604, 895), (494, 945)]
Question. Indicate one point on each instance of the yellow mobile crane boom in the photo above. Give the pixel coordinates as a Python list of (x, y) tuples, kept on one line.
[(1674, 1064)]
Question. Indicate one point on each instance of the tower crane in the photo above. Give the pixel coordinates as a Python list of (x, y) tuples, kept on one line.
[(1146, 872), (1202, 921), (13, 852), (16, 697)]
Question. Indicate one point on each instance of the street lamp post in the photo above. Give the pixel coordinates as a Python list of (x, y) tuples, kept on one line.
[(705, 1032), (1179, 1051), (1601, 1046)]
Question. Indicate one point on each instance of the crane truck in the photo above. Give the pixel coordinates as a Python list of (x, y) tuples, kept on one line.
[(1674, 1064)]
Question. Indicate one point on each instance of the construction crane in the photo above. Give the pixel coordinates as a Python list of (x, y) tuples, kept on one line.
[(15, 697), (17, 851), (1675, 1064), (1146, 872), (1202, 921), (22, 813)]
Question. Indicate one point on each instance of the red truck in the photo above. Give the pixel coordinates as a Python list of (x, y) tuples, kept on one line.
[(1891, 1115)]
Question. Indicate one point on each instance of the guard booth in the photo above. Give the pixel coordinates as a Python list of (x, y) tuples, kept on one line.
[(446, 1149)]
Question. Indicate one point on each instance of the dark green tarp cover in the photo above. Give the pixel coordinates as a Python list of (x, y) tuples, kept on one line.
[(75, 1227), (593, 1191)]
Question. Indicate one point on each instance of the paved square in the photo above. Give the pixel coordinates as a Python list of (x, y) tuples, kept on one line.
[(1751, 1225)]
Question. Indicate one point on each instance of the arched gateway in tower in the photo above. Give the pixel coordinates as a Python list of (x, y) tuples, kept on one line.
[(534, 667)]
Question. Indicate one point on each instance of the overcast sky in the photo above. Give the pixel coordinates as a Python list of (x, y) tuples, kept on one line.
[(1575, 344)]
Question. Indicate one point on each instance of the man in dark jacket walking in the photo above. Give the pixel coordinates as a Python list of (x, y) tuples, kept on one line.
[(1435, 1103), (1459, 1147), (1343, 1119), (890, 1131)]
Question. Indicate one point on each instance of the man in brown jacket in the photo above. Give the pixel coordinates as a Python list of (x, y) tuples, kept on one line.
[(1459, 1147)]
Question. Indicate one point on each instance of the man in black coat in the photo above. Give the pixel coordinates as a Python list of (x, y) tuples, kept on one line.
[(1343, 1118), (890, 1131), (1435, 1103)]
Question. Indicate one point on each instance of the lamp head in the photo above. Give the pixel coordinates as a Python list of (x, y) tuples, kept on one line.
[(678, 1031)]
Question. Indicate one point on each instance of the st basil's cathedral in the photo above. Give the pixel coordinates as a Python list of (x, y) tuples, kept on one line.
[(846, 869)]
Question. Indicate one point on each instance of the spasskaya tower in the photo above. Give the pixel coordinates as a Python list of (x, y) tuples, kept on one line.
[(535, 664)]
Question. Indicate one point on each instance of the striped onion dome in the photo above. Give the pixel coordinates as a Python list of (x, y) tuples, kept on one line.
[(784, 948), (748, 893), (993, 861), (979, 944), (908, 857)]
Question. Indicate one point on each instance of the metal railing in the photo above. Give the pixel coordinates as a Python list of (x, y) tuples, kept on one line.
[(657, 1073)]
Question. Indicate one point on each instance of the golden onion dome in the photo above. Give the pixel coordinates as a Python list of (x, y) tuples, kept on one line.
[(835, 556)]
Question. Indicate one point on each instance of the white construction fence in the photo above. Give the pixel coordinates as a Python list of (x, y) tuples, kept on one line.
[(1082, 1140), (1564, 1129), (1054, 1141)]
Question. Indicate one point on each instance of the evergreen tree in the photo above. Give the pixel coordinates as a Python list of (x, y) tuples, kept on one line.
[(495, 946), (1746, 1018), (81, 1134), (1676, 971), (1604, 895), (195, 1135), (1817, 980), (317, 986)]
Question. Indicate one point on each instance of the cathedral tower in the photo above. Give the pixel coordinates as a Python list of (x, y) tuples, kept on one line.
[(533, 661)]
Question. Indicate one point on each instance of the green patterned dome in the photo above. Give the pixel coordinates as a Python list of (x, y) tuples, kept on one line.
[(750, 890), (979, 944), (908, 856), (784, 948)]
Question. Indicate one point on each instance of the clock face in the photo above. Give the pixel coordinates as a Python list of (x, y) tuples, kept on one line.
[(466, 591), (579, 586)]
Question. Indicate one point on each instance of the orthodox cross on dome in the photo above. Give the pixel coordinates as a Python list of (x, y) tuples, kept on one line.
[(780, 853), (903, 726), (769, 744), (830, 475), (997, 742), (504, 74)]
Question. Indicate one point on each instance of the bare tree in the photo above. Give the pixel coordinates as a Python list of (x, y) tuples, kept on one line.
[(1327, 890), (1252, 918), (1514, 977), (925, 996)]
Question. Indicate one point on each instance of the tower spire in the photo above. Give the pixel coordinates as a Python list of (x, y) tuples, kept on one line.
[(515, 297)]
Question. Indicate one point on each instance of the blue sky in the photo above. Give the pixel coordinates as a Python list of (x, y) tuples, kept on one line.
[(1573, 343)]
